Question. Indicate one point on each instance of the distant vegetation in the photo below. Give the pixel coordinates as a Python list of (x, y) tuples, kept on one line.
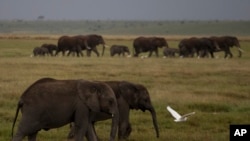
[(237, 28)]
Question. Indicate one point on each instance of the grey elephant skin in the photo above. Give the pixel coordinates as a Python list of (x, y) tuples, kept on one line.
[(119, 49), (50, 103), (148, 44), (40, 51), (170, 52), (129, 96), (200, 46), (225, 43), (90, 42), (75, 44), (50, 47), (69, 43)]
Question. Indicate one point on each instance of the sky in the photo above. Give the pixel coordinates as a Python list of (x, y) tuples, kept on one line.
[(125, 9)]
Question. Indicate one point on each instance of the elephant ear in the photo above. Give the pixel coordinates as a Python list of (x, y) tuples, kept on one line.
[(130, 93), (88, 93)]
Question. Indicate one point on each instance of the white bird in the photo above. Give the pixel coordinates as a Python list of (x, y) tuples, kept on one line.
[(177, 116)]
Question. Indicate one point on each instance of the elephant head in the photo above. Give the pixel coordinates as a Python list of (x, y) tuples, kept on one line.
[(233, 41), (93, 40), (137, 97)]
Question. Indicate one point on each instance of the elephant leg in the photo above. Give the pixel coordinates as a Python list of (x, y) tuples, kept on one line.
[(32, 137), (88, 52), (124, 125), (72, 131), (124, 130), (96, 51), (228, 52), (157, 52), (150, 53), (212, 54), (91, 133)]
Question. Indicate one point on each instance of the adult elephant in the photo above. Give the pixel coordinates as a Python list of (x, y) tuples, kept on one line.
[(40, 51), (90, 42), (119, 49), (129, 96), (50, 103), (71, 44), (199, 46), (225, 42), (50, 47), (148, 44)]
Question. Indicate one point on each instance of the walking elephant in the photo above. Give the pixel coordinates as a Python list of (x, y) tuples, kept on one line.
[(71, 44), (50, 103), (89, 43), (50, 47), (225, 42), (148, 44), (119, 49), (129, 96), (40, 51), (200, 46), (170, 52)]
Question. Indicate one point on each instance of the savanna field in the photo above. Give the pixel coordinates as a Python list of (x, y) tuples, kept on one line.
[(218, 90)]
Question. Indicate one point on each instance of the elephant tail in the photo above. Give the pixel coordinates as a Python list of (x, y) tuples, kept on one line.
[(19, 106)]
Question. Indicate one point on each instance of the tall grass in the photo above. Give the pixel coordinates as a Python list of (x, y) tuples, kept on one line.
[(216, 89)]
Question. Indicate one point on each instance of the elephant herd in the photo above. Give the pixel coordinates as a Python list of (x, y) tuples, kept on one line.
[(189, 47), (50, 103)]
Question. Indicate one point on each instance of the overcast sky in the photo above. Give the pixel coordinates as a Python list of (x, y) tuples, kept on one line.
[(125, 9)]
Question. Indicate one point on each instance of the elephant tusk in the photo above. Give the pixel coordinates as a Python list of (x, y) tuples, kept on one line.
[(241, 50)]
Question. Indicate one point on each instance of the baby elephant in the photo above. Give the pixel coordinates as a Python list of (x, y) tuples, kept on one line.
[(119, 49), (170, 52), (50, 47), (40, 51)]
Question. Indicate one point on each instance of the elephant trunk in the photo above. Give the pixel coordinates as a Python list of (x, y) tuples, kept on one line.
[(153, 113), (114, 126)]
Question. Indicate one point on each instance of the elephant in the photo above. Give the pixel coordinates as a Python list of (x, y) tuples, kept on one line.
[(225, 42), (68, 43), (119, 49), (40, 51), (89, 42), (50, 103), (129, 96), (151, 44), (200, 46), (170, 52), (50, 47)]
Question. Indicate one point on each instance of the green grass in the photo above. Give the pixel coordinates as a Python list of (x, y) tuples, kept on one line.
[(216, 89)]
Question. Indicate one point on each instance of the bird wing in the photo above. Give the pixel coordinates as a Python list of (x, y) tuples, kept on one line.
[(173, 113), (189, 114)]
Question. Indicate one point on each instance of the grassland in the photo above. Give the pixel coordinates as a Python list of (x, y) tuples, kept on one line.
[(198, 28), (218, 90)]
